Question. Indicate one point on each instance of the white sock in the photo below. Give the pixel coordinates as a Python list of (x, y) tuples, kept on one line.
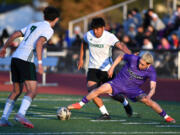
[(166, 116), (8, 108), (103, 110), (81, 103), (26, 102), (125, 103)]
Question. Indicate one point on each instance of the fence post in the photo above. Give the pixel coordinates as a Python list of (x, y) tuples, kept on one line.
[(150, 3), (174, 5), (70, 29), (125, 12), (85, 24)]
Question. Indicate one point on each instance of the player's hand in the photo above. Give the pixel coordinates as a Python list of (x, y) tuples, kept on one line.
[(136, 53), (80, 64), (2, 52), (40, 69), (110, 72)]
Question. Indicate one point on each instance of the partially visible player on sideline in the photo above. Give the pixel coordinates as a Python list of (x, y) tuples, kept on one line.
[(100, 43), (128, 81), (23, 67)]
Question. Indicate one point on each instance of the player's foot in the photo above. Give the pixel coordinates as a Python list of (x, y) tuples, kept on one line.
[(76, 106), (128, 110), (5, 123), (104, 117), (21, 119), (170, 120)]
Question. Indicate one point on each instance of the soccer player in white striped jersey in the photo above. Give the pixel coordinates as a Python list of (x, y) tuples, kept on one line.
[(100, 43), (23, 67)]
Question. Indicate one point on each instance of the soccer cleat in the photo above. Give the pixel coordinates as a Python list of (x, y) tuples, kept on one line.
[(104, 117), (21, 119), (76, 106), (170, 120), (128, 110), (5, 123)]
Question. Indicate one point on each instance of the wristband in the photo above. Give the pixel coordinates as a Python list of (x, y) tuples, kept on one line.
[(39, 61)]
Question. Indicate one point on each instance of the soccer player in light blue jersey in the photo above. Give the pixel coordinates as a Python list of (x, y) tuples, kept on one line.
[(136, 71)]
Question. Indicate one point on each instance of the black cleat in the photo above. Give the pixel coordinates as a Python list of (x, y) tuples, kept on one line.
[(104, 117), (128, 110)]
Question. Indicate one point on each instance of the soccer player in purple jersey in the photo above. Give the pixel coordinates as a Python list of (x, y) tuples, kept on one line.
[(136, 71)]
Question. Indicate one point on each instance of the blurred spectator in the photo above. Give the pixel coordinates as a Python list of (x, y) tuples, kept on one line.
[(146, 20), (132, 31), (3, 37), (127, 22), (174, 41), (174, 21), (147, 44), (156, 22), (139, 36), (129, 42), (164, 44), (152, 37), (137, 17)]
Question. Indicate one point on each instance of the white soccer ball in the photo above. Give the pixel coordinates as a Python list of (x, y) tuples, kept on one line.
[(63, 113)]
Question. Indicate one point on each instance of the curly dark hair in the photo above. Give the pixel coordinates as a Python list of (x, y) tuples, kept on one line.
[(97, 22), (50, 13)]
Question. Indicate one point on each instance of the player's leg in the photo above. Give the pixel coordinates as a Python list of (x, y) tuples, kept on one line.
[(103, 89), (156, 107), (17, 90), (123, 100), (31, 87), (98, 101), (28, 75)]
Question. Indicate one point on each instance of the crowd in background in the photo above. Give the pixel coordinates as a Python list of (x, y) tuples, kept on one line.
[(140, 31)]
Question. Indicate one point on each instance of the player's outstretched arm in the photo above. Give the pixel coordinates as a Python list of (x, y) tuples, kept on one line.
[(39, 46), (81, 62), (123, 47), (116, 62), (15, 35)]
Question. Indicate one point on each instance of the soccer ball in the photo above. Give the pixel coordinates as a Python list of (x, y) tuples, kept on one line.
[(63, 113)]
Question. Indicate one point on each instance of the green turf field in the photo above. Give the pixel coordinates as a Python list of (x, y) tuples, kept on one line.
[(43, 115)]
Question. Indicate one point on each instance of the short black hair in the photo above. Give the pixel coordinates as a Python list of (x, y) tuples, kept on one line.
[(50, 13), (97, 22)]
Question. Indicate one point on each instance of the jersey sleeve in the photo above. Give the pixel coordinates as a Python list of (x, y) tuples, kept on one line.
[(23, 30), (152, 74), (130, 58), (47, 34), (113, 39), (85, 37)]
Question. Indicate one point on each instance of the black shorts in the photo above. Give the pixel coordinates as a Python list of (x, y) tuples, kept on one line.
[(98, 76), (22, 70)]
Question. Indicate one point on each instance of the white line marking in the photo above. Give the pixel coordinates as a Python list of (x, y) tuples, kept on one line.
[(105, 133), (56, 99), (178, 126), (141, 123), (107, 120)]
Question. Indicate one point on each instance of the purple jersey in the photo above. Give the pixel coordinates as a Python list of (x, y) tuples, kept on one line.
[(130, 78)]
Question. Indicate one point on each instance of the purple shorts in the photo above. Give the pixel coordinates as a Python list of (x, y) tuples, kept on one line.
[(133, 93)]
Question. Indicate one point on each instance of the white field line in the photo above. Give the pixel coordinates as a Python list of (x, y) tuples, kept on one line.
[(54, 99), (107, 120), (140, 123), (176, 126), (92, 133)]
